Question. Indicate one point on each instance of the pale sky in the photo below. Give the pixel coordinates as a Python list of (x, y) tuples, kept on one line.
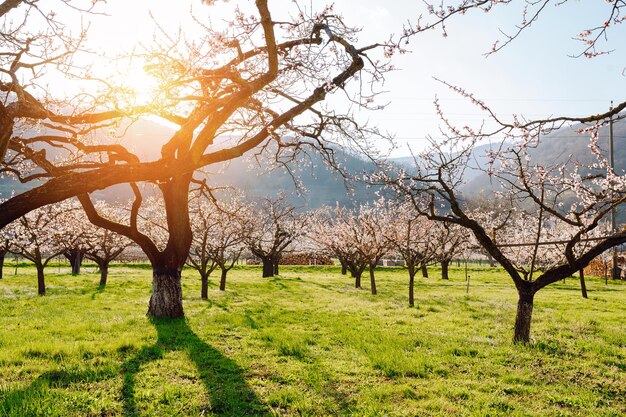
[(533, 76)]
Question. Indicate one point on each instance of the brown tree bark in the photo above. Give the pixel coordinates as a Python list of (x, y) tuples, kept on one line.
[(524, 315), (2, 256), (424, 269), (411, 286), (373, 279), (344, 267), (75, 256), (104, 273), (268, 267), (444, 268), (204, 290), (41, 280), (166, 300), (223, 279), (583, 286)]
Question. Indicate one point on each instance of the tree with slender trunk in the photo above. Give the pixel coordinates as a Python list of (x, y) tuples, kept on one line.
[(5, 242), (411, 237), (449, 241), (103, 246), (38, 237), (356, 236), (331, 228), (220, 229), (273, 226)]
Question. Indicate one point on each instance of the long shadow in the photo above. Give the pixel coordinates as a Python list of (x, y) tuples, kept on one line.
[(222, 378)]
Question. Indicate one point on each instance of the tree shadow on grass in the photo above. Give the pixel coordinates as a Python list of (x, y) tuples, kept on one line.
[(222, 378)]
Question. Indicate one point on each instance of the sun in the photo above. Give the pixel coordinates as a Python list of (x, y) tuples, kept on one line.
[(141, 85)]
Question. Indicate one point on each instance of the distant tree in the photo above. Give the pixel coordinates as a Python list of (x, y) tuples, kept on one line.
[(357, 237), (273, 226), (411, 237), (101, 245), (220, 230), (330, 230), (450, 240), (38, 236), (204, 222)]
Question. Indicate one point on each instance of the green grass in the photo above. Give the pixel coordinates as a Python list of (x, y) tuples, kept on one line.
[(308, 344)]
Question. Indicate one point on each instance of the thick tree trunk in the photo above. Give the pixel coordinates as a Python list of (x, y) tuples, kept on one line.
[(424, 269), (373, 279), (583, 287), (167, 294), (357, 279), (104, 273), (2, 256), (268, 267), (444, 269), (223, 280), (204, 289), (411, 286), (41, 280), (524, 316), (344, 267)]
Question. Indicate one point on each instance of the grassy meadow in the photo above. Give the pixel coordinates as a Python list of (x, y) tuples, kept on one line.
[(306, 343)]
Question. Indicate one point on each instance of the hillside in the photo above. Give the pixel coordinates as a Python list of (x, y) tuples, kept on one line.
[(325, 186)]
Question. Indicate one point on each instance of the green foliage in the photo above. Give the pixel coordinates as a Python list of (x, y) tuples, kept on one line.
[(308, 343)]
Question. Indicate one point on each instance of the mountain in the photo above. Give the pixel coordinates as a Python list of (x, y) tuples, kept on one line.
[(557, 148), (323, 185)]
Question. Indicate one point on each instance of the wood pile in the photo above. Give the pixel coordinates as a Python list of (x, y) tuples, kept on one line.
[(304, 258)]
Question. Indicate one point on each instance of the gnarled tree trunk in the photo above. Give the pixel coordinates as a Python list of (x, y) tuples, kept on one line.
[(524, 315), (75, 256), (424, 269), (166, 300)]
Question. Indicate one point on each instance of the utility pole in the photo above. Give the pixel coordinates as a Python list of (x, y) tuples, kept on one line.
[(615, 270)]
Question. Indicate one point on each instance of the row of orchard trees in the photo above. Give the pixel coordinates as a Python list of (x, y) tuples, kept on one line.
[(265, 79), (224, 230), (62, 229)]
